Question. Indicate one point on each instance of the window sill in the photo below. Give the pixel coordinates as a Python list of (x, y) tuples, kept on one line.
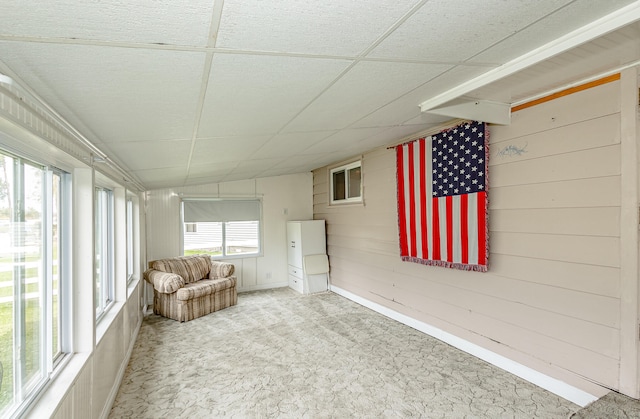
[(107, 319), (49, 399), (346, 204), (247, 256)]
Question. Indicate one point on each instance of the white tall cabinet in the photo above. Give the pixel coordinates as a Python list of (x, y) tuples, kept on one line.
[(305, 238)]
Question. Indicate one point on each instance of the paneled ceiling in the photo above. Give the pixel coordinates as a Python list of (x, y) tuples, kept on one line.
[(184, 93)]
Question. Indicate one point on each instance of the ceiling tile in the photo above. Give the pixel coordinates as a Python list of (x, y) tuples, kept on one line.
[(329, 27), (158, 21), (447, 31), (407, 107), (143, 155), (213, 150), (121, 93), (249, 95), (364, 89), (211, 168), (291, 143), (343, 139), (157, 178)]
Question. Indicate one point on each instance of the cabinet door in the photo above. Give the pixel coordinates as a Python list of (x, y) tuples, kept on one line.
[(294, 244)]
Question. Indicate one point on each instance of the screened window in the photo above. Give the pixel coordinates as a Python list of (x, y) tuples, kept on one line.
[(346, 183), (104, 268), (221, 228), (32, 289)]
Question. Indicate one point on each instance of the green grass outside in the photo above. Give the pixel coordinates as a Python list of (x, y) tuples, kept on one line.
[(31, 349), (6, 353), (7, 276), (202, 252)]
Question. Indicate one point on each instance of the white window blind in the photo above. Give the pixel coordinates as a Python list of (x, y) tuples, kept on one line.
[(195, 211)]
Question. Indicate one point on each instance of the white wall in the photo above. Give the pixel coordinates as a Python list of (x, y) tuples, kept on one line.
[(552, 298), (284, 198)]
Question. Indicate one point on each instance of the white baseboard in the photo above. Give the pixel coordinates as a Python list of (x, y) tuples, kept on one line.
[(264, 286), (560, 388)]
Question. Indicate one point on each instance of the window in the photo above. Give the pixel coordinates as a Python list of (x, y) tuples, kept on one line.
[(104, 276), (346, 183), (32, 285), (221, 228), (130, 232)]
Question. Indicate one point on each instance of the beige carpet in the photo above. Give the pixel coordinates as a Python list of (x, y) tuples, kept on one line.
[(281, 354)]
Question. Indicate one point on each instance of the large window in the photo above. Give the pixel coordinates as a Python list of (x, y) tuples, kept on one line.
[(104, 268), (32, 286), (346, 183), (221, 228)]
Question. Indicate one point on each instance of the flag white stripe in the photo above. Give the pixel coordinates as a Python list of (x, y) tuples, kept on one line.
[(442, 214), (429, 196), (473, 228), (457, 237)]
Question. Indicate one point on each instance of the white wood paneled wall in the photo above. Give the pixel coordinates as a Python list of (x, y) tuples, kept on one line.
[(551, 299)]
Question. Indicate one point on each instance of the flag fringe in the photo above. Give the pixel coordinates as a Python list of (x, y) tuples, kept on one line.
[(445, 264)]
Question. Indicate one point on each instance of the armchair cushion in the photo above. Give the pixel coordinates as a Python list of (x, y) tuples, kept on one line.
[(164, 282), (221, 269), (190, 268)]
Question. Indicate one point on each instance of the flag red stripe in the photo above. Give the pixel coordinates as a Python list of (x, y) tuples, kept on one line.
[(482, 229), (401, 205), (464, 227), (435, 224), (423, 200), (412, 202), (449, 201)]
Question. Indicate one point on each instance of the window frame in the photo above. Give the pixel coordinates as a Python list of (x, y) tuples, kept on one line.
[(104, 293), (130, 231), (53, 343), (224, 255), (346, 168)]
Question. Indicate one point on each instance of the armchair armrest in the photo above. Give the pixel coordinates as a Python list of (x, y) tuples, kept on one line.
[(164, 282), (221, 269)]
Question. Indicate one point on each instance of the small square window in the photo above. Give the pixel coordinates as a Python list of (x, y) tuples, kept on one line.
[(346, 183)]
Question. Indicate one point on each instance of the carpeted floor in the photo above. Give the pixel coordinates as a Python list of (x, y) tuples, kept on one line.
[(280, 354)]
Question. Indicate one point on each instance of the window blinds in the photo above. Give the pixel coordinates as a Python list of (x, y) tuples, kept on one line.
[(221, 210)]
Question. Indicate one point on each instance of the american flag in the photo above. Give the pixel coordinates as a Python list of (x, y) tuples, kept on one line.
[(442, 198)]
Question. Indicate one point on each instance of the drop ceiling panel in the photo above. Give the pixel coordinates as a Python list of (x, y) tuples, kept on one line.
[(407, 107), (367, 87), (249, 94), (397, 134), (160, 178), (291, 143), (258, 164), (564, 20), (208, 169), (343, 139), (142, 155), (158, 21), (447, 31), (330, 27), (213, 150), (121, 93)]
